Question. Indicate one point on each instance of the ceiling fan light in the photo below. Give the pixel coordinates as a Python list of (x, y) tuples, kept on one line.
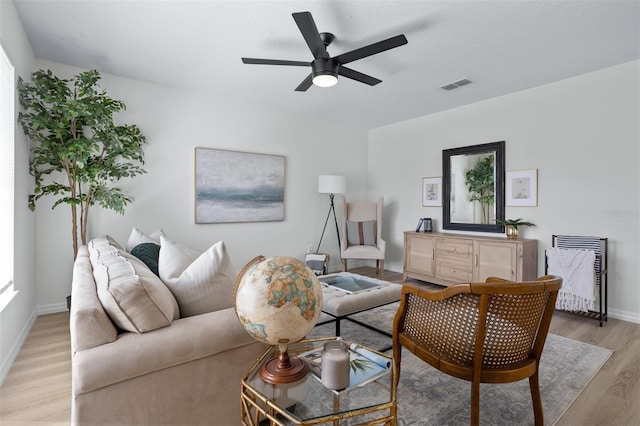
[(325, 80)]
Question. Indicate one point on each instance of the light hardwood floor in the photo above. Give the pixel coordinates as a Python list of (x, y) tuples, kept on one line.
[(38, 388)]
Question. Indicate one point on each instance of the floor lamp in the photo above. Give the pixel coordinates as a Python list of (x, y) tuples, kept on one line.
[(332, 185)]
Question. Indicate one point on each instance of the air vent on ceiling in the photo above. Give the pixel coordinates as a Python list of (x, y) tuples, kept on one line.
[(456, 84)]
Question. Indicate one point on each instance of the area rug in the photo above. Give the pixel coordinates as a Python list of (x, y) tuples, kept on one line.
[(428, 397)]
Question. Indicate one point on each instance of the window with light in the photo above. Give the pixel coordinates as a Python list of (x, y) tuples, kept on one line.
[(7, 160)]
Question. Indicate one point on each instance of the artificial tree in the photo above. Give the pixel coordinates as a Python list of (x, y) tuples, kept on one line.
[(77, 150), (481, 186)]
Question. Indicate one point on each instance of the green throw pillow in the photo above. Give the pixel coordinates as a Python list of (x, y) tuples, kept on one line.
[(148, 253)]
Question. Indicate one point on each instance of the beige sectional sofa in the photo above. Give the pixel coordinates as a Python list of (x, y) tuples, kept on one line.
[(172, 371)]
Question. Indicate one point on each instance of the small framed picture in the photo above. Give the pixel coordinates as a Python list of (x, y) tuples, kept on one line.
[(522, 188), (432, 192)]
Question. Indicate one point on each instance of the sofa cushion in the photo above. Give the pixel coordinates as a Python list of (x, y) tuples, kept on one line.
[(134, 298), (138, 237), (149, 254), (89, 324), (187, 340), (200, 282)]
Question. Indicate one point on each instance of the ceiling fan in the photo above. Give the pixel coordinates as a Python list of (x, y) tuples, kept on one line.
[(324, 68)]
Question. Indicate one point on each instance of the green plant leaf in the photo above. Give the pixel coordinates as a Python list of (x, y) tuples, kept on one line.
[(514, 222), (70, 123)]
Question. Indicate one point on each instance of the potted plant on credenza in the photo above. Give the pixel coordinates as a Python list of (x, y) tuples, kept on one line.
[(511, 226)]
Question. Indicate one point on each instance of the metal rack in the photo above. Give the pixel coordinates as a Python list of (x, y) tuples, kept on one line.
[(600, 246)]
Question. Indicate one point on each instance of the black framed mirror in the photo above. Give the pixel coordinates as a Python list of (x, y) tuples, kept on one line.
[(473, 187)]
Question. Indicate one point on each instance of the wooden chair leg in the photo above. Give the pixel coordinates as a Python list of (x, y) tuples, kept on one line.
[(396, 363), (475, 403), (344, 265), (534, 386), (380, 266)]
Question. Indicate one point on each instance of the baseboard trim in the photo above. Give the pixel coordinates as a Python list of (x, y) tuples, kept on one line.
[(53, 308), (624, 316), (17, 345)]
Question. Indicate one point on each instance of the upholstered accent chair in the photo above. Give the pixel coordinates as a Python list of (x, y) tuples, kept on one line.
[(491, 332), (362, 233)]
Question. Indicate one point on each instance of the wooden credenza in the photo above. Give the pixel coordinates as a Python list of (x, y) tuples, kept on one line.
[(448, 259)]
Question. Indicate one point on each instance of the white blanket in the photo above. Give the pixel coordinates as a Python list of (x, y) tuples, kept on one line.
[(576, 268)]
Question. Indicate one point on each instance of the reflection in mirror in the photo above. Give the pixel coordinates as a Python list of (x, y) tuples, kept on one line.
[(473, 185), (474, 174)]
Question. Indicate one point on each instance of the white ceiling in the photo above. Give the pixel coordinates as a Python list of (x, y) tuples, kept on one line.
[(501, 46)]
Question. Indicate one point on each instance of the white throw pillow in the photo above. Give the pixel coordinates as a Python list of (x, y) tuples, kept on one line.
[(134, 298), (138, 237), (200, 282)]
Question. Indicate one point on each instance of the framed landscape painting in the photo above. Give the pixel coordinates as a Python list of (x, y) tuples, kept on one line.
[(236, 186)]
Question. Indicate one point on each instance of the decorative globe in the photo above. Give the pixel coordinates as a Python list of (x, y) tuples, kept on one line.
[(278, 301)]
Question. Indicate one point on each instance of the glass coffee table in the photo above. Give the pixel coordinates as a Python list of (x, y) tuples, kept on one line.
[(308, 402)]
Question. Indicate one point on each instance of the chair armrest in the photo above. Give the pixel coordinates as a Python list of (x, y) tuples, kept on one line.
[(437, 295), (343, 238), (496, 280)]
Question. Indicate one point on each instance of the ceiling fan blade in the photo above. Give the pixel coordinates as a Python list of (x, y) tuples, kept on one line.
[(306, 83), (371, 49), (309, 31), (256, 61), (358, 76)]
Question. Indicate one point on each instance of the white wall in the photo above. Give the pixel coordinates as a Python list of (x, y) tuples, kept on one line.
[(175, 122), (583, 136), (16, 318)]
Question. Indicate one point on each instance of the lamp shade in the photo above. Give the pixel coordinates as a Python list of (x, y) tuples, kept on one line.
[(325, 80), (325, 72), (332, 184)]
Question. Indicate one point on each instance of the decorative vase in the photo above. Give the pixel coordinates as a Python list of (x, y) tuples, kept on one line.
[(511, 231)]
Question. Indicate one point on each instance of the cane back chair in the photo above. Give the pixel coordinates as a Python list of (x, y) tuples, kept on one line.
[(491, 332)]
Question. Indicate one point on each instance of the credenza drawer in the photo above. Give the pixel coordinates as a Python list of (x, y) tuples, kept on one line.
[(455, 248), (453, 270)]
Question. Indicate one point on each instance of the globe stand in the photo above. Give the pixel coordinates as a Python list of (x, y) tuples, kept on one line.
[(283, 369)]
